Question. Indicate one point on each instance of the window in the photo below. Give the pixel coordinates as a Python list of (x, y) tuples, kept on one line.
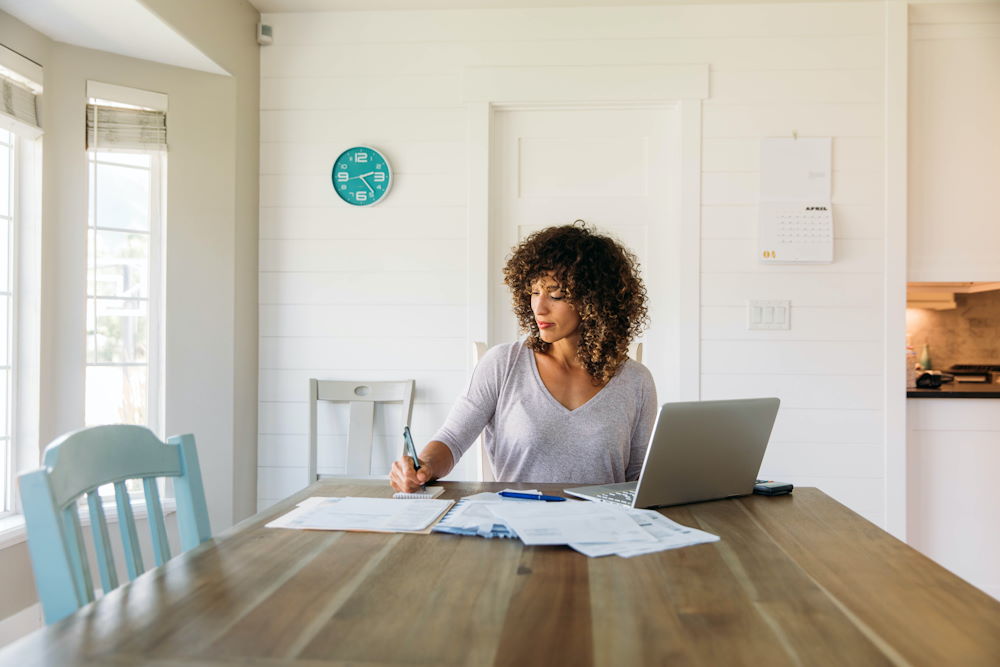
[(126, 152), (20, 269), (123, 291)]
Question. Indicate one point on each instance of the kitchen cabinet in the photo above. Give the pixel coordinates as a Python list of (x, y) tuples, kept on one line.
[(953, 495), (954, 142)]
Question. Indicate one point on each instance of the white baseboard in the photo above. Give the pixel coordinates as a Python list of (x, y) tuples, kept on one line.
[(18, 625)]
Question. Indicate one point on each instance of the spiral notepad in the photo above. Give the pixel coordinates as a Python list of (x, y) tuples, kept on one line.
[(428, 493)]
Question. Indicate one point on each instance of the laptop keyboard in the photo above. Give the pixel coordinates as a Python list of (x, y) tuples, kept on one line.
[(619, 497)]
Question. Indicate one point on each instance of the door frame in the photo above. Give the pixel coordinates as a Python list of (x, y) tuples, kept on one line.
[(678, 87)]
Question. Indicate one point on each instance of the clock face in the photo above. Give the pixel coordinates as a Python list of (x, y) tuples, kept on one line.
[(361, 176)]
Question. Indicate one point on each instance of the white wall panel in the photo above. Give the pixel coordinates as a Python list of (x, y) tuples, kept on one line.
[(808, 323), (347, 223), (795, 357), (391, 256), (797, 426), (360, 91), (344, 127), (413, 321), (815, 69), (362, 287), (359, 354), (807, 86), (802, 288), (832, 392)]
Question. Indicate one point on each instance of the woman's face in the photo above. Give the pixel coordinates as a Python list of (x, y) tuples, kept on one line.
[(555, 316)]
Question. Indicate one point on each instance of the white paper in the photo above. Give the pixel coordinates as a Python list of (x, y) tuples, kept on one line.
[(473, 514), (666, 533), (378, 514), (795, 169), (570, 522)]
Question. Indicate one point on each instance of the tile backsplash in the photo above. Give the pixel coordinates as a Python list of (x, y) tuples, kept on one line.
[(968, 334)]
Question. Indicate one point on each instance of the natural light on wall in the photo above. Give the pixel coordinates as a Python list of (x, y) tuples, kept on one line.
[(7, 322), (126, 140)]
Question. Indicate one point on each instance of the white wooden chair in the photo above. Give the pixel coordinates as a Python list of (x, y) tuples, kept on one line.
[(635, 351), (483, 463), (362, 397)]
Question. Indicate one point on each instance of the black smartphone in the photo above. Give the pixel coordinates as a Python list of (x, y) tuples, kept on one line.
[(766, 487)]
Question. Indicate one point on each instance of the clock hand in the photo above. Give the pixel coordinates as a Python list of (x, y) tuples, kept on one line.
[(361, 175), (366, 183)]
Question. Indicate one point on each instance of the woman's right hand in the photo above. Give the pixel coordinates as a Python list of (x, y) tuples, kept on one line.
[(404, 479)]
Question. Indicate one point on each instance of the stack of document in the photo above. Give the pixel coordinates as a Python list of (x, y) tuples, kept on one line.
[(472, 516), (593, 529)]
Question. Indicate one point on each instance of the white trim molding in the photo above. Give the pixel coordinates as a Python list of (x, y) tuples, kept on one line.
[(677, 87), (894, 323), (586, 84)]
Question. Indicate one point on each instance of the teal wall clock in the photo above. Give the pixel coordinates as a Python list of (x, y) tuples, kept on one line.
[(361, 176)]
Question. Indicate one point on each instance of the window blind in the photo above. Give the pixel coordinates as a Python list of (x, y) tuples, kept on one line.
[(17, 101), (110, 127)]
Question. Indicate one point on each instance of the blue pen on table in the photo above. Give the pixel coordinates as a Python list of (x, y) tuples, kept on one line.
[(531, 496)]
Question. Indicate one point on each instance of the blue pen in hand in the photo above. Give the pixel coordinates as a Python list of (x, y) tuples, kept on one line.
[(531, 496), (411, 449)]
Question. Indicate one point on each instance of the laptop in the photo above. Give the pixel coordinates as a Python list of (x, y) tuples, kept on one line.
[(700, 450)]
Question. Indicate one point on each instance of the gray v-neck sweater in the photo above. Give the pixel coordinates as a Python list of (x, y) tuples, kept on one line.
[(531, 437)]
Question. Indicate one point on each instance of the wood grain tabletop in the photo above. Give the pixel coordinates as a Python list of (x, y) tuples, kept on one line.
[(795, 580)]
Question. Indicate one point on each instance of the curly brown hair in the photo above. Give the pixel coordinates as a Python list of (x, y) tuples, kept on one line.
[(600, 279)]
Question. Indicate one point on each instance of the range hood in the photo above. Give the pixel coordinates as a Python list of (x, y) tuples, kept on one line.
[(941, 296)]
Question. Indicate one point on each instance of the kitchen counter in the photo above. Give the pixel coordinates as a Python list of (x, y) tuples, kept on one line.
[(958, 390)]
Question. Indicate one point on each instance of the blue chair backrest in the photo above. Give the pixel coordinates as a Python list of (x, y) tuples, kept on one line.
[(77, 464)]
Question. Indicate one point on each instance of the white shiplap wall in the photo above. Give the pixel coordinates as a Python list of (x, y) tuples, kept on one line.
[(381, 293)]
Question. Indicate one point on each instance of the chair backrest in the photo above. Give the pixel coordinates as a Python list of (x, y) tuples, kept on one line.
[(635, 351), (484, 464), (362, 397), (77, 464)]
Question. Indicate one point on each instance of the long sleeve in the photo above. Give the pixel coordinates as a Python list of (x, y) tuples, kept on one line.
[(475, 408)]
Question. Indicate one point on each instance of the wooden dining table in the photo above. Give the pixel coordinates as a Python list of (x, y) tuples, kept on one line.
[(794, 580)]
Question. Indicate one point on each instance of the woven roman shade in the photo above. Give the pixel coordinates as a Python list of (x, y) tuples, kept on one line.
[(110, 128), (17, 102)]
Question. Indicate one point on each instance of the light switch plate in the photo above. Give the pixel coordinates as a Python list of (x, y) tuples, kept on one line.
[(769, 315)]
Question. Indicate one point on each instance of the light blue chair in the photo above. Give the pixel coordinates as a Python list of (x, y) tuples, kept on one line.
[(78, 463)]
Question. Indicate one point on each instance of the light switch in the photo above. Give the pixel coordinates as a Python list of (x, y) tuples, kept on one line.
[(768, 315)]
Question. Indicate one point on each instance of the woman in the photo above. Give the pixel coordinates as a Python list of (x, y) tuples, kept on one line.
[(566, 404)]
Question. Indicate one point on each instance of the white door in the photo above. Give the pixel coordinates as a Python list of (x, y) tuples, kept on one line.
[(611, 167)]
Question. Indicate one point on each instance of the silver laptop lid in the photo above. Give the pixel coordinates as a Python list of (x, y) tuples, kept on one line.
[(702, 450)]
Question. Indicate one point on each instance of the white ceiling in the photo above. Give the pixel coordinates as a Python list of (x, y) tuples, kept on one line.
[(277, 6), (125, 27)]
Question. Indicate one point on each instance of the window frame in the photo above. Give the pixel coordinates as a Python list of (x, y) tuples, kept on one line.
[(8, 499), (155, 281)]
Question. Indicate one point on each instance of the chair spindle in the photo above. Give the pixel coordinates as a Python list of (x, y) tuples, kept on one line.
[(154, 514), (102, 542), (77, 554), (130, 540)]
